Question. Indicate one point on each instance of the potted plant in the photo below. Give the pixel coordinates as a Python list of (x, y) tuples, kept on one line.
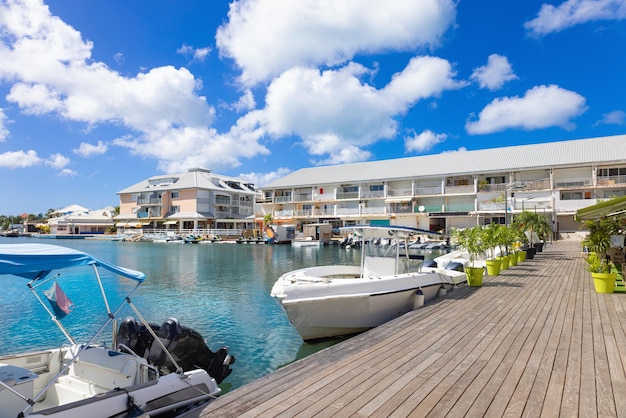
[(531, 224), (598, 242), (470, 240), (489, 237)]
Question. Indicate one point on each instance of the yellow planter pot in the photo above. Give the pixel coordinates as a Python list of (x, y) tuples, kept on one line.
[(604, 282), (513, 259), (474, 276), (493, 267), (504, 262), (521, 256)]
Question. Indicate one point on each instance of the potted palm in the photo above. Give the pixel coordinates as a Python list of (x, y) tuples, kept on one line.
[(489, 237), (598, 242), (470, 240), (530, 223)]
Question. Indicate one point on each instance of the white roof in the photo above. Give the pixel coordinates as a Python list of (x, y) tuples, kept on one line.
[(196, 178), (601, 150)]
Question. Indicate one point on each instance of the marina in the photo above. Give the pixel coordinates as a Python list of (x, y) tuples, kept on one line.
[(534, 341), (221, 291)]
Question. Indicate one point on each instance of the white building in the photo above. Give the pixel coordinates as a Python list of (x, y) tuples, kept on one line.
[(76, 220), (456, 189)]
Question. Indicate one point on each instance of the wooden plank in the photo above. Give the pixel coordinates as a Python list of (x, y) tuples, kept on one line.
[(536, 340)]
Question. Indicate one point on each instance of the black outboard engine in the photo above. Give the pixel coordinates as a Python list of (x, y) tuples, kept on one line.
[(187, 347), (135, 336), (429, 263), (453, 265)]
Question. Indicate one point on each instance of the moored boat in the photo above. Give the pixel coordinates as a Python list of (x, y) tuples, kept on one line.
[(146, 369), (327, 301)]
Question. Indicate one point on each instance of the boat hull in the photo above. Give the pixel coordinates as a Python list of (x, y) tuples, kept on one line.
[(329, 301)]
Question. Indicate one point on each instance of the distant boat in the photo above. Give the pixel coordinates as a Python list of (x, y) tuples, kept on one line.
[(327, 301)]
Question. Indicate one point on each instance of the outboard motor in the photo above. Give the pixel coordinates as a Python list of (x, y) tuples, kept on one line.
[(429, 263), (135, 336), (187, 347), (453, 265)]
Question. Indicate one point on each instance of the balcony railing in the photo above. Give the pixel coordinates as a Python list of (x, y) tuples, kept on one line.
[(373, 194), (347, 195), (427, 190), (460, 189), (611, 180), (149, 200), (282, 199), (399, 192), (303, 197)]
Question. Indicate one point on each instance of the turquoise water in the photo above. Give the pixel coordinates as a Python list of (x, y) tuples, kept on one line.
[(220, 290)]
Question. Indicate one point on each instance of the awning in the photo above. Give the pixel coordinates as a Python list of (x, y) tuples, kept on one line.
[(170, 222), (613, 207), (146, 223)]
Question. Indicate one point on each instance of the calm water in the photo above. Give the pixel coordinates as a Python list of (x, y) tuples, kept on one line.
[(220, 290)]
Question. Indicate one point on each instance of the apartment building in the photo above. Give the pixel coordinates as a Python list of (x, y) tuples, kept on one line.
[(456, 189), (195, 200)]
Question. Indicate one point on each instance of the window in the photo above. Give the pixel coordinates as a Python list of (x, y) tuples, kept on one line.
[(572, 196), (377, 187), (174, 209), (174, 195)]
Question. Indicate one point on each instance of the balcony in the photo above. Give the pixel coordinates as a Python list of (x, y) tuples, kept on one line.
[(282, 199), (373, 194), (611, 181), (543, 184), (303, 197), (427, 190), (460, 189), (399, 192), (142, 201), (347, 195)]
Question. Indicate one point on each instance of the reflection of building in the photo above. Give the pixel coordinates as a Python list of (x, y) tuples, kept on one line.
[(75, 220), (195, 200), (456, 189)]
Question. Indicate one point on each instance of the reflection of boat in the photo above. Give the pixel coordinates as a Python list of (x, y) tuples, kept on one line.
[(327, 301), (12, 233), (148, 368)]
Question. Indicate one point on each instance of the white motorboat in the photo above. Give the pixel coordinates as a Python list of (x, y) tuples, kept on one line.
[(147, 368), (327, 301)]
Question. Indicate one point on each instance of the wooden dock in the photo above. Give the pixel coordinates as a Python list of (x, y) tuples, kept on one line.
[(534, 341)]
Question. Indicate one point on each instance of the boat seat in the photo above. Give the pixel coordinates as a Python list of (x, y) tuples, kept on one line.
[(376, 267), (105, 369)]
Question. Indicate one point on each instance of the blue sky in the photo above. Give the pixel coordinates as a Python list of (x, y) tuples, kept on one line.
[(98, 95)]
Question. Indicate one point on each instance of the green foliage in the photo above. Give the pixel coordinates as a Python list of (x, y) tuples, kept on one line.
[(597, 264), (470, 239), (532, 222)]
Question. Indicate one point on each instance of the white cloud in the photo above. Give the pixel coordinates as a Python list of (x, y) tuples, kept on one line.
[(52, 72), (86, 150), (119, 58), (195, 54), (66, 172), (19, 159), (541, 107), (424, 141), (335, 113), (261, 179), (616, 117), (4, 132), (246, 102), (493, 75), (325, 32), (57, 161), (574, 12)]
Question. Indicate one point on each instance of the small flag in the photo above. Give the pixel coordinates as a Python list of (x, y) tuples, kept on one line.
[(61, 304)]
